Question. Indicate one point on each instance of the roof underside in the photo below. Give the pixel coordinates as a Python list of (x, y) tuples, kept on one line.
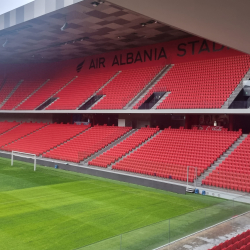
[(91, 30)]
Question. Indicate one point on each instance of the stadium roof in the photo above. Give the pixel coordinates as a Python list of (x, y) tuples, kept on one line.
[(91, 30), (32, 32), (224, 22)]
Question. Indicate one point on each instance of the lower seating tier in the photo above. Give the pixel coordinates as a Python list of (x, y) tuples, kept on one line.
[(171, 151), (162, 153)]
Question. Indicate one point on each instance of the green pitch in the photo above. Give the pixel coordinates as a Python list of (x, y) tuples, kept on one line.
[(56, 209)]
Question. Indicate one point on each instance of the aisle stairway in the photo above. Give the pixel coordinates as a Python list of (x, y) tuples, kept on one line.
[(221, 159), (145, 90), (111, 145)]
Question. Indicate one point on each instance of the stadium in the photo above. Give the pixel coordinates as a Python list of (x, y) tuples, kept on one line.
[(124, 125)]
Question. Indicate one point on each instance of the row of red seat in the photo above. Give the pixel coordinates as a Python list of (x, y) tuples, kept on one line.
[(7, 87), (201, 84), (241, 242), (19, 131), (28, 86), (87, 143), (236, 165), (57, 79), (5, 126), (124, 147), (46, 138), (166, 155), (165, 151), (125, 87), (72, 89), (208, 82), (79, 90)]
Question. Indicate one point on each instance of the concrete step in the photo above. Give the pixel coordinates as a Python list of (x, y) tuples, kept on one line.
[(110, 80), (109, 146), (147, 88)]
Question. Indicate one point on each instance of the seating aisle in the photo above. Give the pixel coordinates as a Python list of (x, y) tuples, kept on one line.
[(8, 86), (59, 79), (80, 90), (26, 88), (124, 147), (125, 87)]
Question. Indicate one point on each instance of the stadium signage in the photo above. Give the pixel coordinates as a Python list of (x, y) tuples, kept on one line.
[(172, 52), (197, 47), (130, 58)]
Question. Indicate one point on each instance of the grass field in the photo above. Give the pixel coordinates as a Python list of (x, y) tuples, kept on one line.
[(56, 209)]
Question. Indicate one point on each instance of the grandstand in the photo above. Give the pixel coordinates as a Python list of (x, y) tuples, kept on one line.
[(138, 121)]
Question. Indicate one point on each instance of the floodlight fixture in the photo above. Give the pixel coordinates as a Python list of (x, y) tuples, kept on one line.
[(95, 4), (65, 26), (5, 43)]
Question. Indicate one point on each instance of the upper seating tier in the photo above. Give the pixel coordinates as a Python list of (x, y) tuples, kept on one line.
[(200, 84), (192, 85)]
